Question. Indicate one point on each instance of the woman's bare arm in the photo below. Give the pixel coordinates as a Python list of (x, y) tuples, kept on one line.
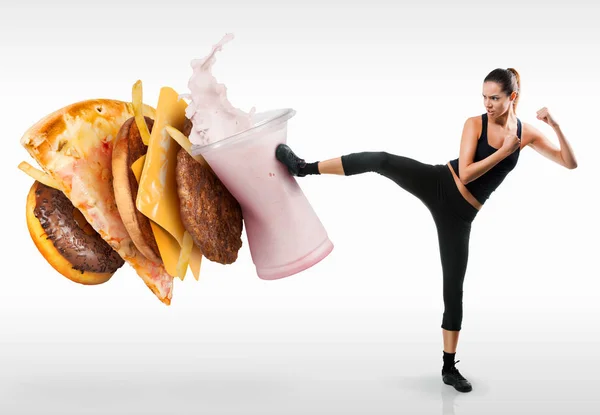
[(563, 155)]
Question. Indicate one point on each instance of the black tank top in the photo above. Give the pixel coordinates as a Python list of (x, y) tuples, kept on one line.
[(483, 186)]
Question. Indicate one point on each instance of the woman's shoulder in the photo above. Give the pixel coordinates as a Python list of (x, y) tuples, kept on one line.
[(476, 119), (475, 122)]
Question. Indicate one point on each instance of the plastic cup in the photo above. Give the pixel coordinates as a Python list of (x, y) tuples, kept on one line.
[(284, 233)]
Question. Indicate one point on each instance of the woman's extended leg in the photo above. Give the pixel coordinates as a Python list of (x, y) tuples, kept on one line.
[(420, 179), (331, 166)]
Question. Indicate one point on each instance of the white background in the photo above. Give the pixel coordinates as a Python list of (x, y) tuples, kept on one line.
[(359, 332)]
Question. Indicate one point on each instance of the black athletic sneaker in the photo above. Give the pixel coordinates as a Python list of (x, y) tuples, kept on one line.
[(454, 378), (294, 163)]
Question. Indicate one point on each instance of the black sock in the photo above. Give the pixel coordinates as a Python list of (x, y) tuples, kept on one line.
[(449, 360), (310, 168)]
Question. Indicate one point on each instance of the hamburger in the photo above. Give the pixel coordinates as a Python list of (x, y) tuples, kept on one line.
[(118, 184)]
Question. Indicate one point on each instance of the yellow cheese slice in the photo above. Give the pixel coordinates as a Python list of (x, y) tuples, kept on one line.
[(168, 247), (137, 166), (157, 194)]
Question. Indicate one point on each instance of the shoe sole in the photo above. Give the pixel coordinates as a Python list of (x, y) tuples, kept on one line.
[(281, 153), (450, 384)]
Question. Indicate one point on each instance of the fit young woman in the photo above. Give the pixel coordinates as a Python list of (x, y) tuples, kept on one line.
[(455, 192)]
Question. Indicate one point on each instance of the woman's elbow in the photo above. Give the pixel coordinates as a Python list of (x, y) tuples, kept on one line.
[(464, 179)]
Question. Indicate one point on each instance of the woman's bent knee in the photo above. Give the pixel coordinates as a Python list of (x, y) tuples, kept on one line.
[(367, 161), (381, 161)]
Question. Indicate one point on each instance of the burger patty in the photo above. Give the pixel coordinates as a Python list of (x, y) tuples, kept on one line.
[(187, 127), (137, 149), (209, 212)]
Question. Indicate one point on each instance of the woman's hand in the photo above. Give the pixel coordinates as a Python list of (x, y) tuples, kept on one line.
[(511, 143), (545, 116)]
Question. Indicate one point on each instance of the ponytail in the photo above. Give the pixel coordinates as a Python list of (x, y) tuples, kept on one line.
[(518, 89)]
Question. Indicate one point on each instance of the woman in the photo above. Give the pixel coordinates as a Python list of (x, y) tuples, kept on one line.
[(456, 191)]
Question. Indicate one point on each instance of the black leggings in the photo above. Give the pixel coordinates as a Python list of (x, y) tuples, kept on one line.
[(434, 185)]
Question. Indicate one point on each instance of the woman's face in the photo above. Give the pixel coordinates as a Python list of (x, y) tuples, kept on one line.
[(495, 101)]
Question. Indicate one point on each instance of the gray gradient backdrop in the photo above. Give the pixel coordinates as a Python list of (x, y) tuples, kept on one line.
[(360, 332)]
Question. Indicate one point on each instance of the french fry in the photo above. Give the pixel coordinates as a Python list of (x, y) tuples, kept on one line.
[(184, 255), (38, 175), (184, 142), (137, 103), (195, 264)]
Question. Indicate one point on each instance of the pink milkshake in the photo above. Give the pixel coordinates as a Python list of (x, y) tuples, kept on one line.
[(284, 233)]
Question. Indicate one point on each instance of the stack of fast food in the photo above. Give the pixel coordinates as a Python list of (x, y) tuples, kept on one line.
[(118, 184)]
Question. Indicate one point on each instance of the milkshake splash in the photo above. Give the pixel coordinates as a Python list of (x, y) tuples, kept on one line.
[(212, 115)]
